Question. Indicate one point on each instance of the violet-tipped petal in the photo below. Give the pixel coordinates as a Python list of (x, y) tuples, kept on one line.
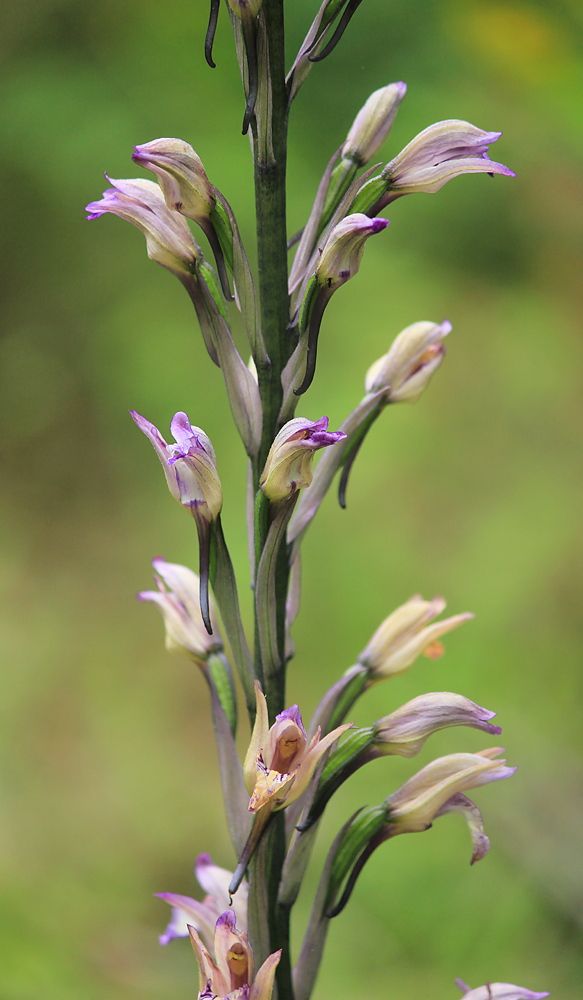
[(460, 803), (413, 807), (341, 255), (189, 465)]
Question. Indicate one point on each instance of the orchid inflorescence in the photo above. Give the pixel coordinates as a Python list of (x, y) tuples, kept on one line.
[(275, 799)]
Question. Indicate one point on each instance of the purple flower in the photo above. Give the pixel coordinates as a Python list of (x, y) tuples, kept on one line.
[(279, 762), (168, 237), (405, 730), (190, 465), (289, 463), (204, 915), (439, 153)]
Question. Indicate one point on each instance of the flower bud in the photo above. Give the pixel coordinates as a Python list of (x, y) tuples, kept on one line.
[(289, 463), (181, 176), (168, 238), (189, 464), (342, 253), (413, 807), (373, 124), (439, 153), (406, 369), (178, 598), (405, 634), (404, 731)]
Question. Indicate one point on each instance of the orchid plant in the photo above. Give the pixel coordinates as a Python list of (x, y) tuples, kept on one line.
[(275, 799)]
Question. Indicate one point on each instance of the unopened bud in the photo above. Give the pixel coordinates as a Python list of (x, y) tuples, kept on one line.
[(181, 176), (289, 463), (406, 369), (373, 124)]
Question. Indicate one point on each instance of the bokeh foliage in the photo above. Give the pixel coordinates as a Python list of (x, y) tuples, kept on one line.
[(108, 781)]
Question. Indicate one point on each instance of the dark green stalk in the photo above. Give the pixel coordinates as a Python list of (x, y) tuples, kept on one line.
[(278, 918), (270, 199)]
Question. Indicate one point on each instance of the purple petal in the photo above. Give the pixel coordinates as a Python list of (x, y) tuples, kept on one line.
[(228, 918), (293, 713)]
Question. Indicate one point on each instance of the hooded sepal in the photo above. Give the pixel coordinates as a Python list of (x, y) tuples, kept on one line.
[(178, 599), (405, 371)]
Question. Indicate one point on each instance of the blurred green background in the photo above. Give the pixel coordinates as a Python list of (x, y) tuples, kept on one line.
[(108, 781)]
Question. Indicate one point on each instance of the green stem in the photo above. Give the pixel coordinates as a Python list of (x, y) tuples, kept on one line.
[(270, 199), (278, 918)]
